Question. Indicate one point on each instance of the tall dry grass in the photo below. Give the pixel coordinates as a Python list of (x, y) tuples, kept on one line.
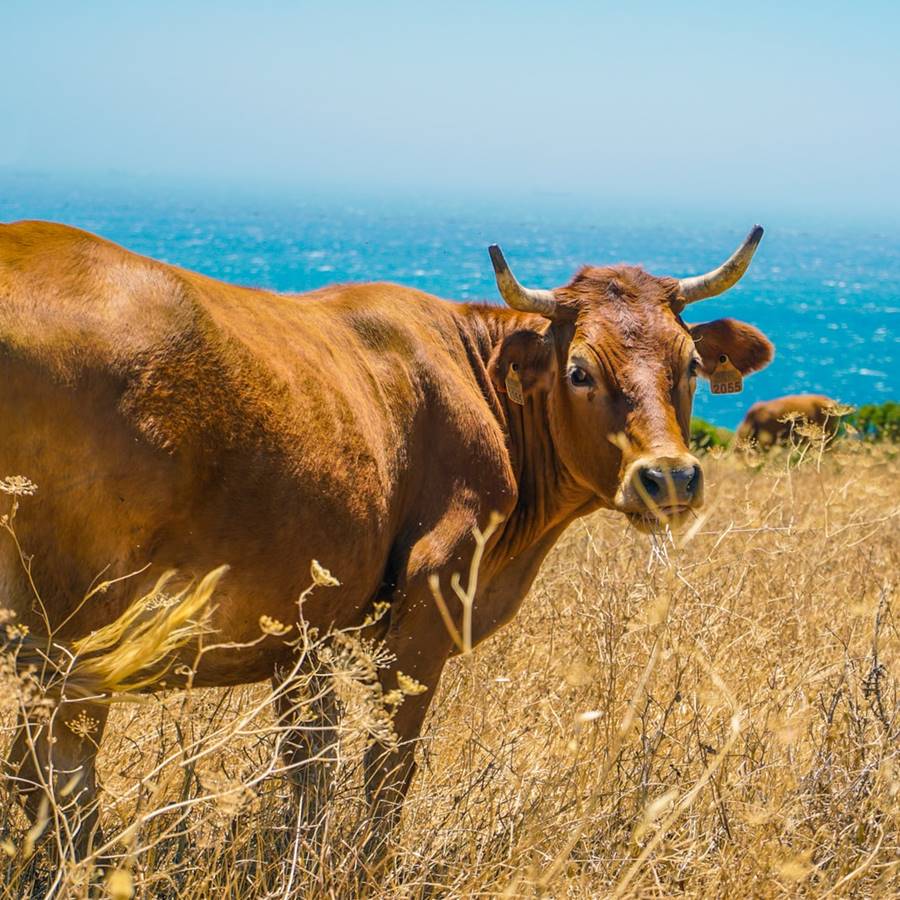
[(717, 716)]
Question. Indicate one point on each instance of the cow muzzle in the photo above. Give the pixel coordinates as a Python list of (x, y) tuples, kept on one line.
[(661, 489)]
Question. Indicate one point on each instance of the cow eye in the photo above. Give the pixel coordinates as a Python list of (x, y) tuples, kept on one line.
[(694, 368), (579, 377)]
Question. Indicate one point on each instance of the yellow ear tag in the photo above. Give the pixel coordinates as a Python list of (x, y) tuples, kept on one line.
[(514, 385), (726, 379)]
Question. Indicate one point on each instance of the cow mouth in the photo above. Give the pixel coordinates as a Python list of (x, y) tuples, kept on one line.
[(673, 517)]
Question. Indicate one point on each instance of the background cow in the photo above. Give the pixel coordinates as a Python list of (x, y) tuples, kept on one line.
[(774, 421), (172, 421)]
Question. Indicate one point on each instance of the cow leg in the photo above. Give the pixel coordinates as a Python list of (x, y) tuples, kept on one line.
[(389, 770), (52, 767), (421, 645), (309, 744)]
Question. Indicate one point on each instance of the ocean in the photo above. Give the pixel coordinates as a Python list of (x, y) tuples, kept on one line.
[(827, 293)]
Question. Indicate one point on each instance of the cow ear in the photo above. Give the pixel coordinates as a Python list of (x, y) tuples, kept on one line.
[(747, 347), (522, 364)]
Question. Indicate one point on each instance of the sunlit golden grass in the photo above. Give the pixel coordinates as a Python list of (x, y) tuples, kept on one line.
[(720, 718)]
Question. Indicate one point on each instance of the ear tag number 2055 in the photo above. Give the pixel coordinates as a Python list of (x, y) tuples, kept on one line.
[(726, 379)]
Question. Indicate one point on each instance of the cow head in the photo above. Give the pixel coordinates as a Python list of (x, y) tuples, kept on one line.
[(617, 367)]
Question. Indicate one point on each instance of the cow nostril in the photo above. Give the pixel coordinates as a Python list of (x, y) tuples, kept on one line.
[(651, 480), (694, 481)]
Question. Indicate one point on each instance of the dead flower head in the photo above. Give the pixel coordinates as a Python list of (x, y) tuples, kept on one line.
[(17, 486), (321, 576)]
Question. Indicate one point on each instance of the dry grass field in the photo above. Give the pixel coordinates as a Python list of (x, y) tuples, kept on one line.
[(718, 717)]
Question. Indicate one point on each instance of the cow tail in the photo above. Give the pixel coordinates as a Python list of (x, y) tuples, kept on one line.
[(130, 654)]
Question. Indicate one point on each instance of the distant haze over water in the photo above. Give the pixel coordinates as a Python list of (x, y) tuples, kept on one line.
[(827, 293)]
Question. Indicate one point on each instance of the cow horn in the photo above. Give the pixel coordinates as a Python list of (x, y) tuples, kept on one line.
[(516, 296), (727, 275)]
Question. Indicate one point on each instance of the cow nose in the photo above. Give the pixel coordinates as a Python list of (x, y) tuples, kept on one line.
[(671, 486)]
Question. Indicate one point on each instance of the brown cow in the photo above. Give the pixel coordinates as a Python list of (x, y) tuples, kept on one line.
[(773, 421), (174, 421)]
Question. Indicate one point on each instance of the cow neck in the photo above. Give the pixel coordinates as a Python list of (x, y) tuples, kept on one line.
[(547, 496)]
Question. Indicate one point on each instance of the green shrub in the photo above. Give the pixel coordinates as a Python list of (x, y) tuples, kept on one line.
[(705, 435), (877, 421)]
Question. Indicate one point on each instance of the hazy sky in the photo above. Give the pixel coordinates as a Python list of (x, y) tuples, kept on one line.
[(792, 104)]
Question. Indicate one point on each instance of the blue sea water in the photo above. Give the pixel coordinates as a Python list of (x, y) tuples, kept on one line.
[(826, 293)]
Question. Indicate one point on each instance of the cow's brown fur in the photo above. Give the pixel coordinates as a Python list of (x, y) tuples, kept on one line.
[(173, 420), (773, 421)]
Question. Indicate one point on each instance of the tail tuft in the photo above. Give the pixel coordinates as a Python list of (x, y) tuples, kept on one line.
[(129, 654)]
